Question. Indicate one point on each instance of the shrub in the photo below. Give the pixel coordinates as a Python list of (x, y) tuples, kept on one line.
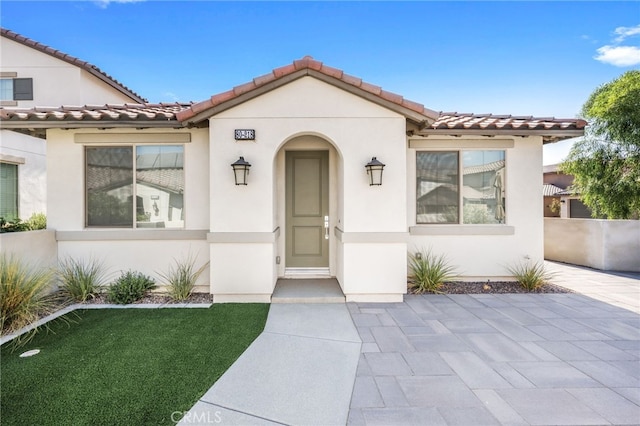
[(530, 276), (80, 281), (24, 293), (429, 271), (37, 221), (181, 278), (13, 225), (129, 287)]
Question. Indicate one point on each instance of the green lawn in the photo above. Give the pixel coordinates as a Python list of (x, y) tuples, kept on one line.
[(124, 366)]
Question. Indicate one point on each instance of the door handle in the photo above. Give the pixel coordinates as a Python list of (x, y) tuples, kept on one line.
[(326, 227)]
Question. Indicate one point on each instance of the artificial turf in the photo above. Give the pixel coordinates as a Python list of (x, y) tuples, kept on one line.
[(124, 366)]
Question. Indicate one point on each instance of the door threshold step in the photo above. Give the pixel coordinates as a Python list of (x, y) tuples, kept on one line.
[(324, 290)]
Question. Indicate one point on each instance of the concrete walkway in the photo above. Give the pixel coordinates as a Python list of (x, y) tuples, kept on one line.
[(299, 371), (615, 288)]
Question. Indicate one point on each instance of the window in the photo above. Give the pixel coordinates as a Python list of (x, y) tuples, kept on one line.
[(8, 191), (144, 190), (460, 187), (16, 89)]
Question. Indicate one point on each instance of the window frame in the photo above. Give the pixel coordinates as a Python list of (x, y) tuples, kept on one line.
[(17, 189), (21, 88), (134, 191), (459, 224)]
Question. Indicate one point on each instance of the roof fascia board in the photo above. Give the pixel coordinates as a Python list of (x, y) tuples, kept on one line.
[(420, 120)]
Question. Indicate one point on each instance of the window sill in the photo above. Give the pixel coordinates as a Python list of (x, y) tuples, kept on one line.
[(8, 103), (112, 234), (436, 229)]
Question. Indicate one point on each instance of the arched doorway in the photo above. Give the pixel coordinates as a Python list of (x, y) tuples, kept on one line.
[(308, 207)]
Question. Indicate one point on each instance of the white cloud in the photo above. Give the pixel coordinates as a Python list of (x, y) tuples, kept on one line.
[(625, 32), (103, 4), (619, 56)]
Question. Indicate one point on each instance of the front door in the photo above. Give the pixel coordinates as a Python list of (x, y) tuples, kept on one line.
[(307, 202)]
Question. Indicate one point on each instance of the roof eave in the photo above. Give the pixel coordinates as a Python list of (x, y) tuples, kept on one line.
[(73, 124), (547, 136)]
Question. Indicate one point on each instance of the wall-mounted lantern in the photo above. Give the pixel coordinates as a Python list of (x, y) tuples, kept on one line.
[(374, 170), (241, 171)]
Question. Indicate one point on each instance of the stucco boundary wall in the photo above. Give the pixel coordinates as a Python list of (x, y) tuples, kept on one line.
[(35, 248), (609, 245)]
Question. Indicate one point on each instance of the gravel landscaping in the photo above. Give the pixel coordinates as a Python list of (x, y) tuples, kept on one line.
[(494, 287)]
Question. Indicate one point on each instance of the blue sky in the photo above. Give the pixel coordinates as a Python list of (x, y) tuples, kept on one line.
[(522, 58)]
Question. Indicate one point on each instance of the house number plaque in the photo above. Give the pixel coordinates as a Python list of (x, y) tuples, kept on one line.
[(245, 134)]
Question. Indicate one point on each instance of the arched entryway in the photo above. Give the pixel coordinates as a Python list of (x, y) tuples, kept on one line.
[(308, 206)]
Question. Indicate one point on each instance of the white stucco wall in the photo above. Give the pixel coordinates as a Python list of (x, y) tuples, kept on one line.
[(152, 257), (144, 250), (65, 165), (30, 155), (308, 114), (55, 82), (38, 249), (484, 251), (610, 245)]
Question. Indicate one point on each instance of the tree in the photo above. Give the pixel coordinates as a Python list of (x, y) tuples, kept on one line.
[(606, 162)]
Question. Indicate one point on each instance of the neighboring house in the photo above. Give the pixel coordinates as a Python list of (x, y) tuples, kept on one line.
[(557, 192), (140, 185), (32, 74)]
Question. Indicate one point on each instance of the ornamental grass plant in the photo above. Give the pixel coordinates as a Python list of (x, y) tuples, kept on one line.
[(24, 294), (81, 280), (429, 271), (181, 278), (531, 276)]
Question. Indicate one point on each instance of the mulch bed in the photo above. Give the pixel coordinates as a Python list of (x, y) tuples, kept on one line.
[(157, 298), (493, 287)]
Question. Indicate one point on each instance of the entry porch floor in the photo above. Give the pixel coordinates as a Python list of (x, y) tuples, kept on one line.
[(308, 290)]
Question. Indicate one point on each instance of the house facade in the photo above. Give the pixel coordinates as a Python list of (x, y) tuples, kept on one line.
[(141, 185), (559, 199), (32, 74)]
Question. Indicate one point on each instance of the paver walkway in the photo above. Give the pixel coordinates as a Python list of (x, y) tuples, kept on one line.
[(616, 288), (555, 359)]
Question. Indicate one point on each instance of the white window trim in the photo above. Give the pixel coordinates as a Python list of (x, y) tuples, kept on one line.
[(448, 145), (11, 159), (134, 226)]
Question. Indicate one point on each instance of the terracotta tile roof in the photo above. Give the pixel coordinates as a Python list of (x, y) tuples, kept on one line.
[(92, 69), (454, 120), (181, 114), (163, 112), (170, 113), (301, 67), (489, 167)]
